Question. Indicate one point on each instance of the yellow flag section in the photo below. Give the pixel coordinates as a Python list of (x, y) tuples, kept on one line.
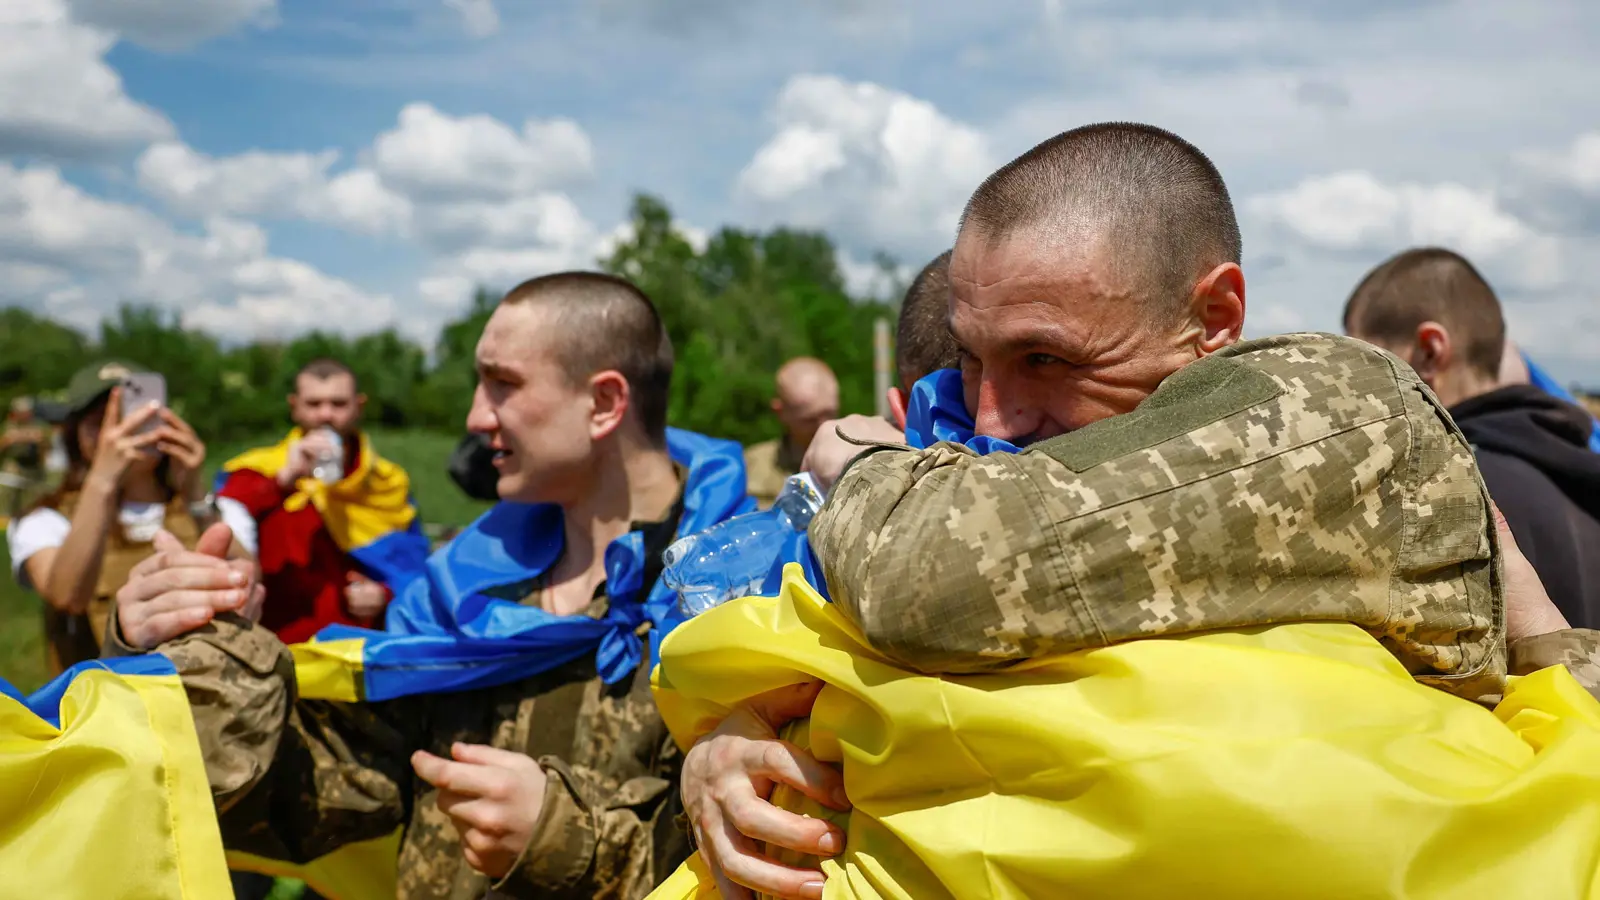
[(103, 791), (331, 670), (1292, 761)]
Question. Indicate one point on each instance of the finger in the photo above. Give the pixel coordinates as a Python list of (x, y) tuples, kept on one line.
[(479, 754), (742, 865), (173, 558), (166, 542), (783, 762), (177, 422), (177, 601), (478, 813), (159, 629), (113, 414), (138, 418), (783, 705), (216, 541), (139, 441), (757, 819), (211, 577), (463, 778)]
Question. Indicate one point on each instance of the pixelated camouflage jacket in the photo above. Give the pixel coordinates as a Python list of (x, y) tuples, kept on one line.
[(295, 778), (1295, 478)]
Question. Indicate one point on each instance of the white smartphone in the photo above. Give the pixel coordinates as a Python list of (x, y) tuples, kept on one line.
[(140, 390)]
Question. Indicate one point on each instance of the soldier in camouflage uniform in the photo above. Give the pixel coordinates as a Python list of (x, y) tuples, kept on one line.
[(558, 785), (1175, 479)]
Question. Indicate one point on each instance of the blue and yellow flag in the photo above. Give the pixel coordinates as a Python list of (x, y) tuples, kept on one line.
[(1289, 761), (369, 513), (459, 627), (103, 790)]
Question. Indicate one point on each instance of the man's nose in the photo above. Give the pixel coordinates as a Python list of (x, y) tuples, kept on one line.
[(1005, 412), (481, 418)]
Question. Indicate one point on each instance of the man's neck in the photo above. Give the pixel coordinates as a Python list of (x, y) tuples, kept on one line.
[(630, 484), (1462, 385)]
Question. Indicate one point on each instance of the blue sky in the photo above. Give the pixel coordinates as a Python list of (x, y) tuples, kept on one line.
[(266, 166)]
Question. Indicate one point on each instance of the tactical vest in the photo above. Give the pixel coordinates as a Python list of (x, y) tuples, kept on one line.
[(71, 639)]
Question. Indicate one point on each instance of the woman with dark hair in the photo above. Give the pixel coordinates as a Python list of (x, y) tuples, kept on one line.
[(126, 480)]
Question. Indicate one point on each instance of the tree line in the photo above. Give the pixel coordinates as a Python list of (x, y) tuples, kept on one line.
[(735, 310)]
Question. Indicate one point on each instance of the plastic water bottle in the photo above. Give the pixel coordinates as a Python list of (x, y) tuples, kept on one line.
[(329, 468), (731, 558)]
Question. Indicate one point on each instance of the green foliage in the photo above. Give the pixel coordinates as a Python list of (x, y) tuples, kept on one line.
[(735, 310)]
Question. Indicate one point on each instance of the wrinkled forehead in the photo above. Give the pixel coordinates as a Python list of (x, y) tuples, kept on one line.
[(1030, 281)]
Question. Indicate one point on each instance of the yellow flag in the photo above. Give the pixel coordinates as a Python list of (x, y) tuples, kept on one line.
[(1291, 761), (103, 791)]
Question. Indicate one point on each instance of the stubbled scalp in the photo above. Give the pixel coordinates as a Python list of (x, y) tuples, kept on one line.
[(606, 323), (1430, 284), (1144, 191)]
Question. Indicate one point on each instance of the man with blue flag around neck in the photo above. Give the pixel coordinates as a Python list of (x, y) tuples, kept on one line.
[(546, 772)]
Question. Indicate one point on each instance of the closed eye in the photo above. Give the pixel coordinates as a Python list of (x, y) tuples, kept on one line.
[(1044, 359)]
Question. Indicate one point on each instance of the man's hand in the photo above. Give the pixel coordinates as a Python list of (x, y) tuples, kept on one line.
[(728, 776), (364, 597), (493, 797), (829, 453), (1529, 612), (176, 590), (303, 457)]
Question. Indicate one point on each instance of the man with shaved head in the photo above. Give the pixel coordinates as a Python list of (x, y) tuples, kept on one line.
[(1149, 475), (808, 395), (538, 767), (1432, 308)]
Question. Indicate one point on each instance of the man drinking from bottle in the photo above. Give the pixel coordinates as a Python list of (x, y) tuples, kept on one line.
[(331, 521)]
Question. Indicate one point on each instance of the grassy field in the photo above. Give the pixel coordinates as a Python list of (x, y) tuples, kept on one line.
[(422, 454)]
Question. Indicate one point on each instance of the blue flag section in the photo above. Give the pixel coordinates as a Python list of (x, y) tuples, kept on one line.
[(447, 631), (1542, 380)]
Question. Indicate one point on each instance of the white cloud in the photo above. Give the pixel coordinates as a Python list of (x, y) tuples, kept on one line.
[(270, 185), (437, 156), (1356, 211), (478, 17), (1578, 165), (481, 199), (57, 95), (173, 24), (87, 253), (882, 168)]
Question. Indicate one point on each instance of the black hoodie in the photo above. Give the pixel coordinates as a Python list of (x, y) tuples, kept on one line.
[(1533, 451)]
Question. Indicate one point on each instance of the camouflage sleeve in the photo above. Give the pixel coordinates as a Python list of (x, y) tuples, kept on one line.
[(1576, 648), (292, 779), (938, 556), (596, 842)]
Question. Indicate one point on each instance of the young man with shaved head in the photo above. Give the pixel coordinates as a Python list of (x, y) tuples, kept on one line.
[(542, 769), (1170, 480), (1431, 307), (808, 395)]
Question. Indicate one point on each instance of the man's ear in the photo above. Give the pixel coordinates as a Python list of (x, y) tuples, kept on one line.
[(1216, 307), (1432, 352), (361, 403), (897, 407), (611, 396)]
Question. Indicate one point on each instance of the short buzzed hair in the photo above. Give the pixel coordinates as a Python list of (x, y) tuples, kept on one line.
[(1156, 200), (923, 343), (606, 323), (324, 367), (1430, 284)]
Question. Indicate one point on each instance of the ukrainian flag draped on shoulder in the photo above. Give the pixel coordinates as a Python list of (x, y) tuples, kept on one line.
[(449, 631), (369, 513), (111, 735), (1287, 761)]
